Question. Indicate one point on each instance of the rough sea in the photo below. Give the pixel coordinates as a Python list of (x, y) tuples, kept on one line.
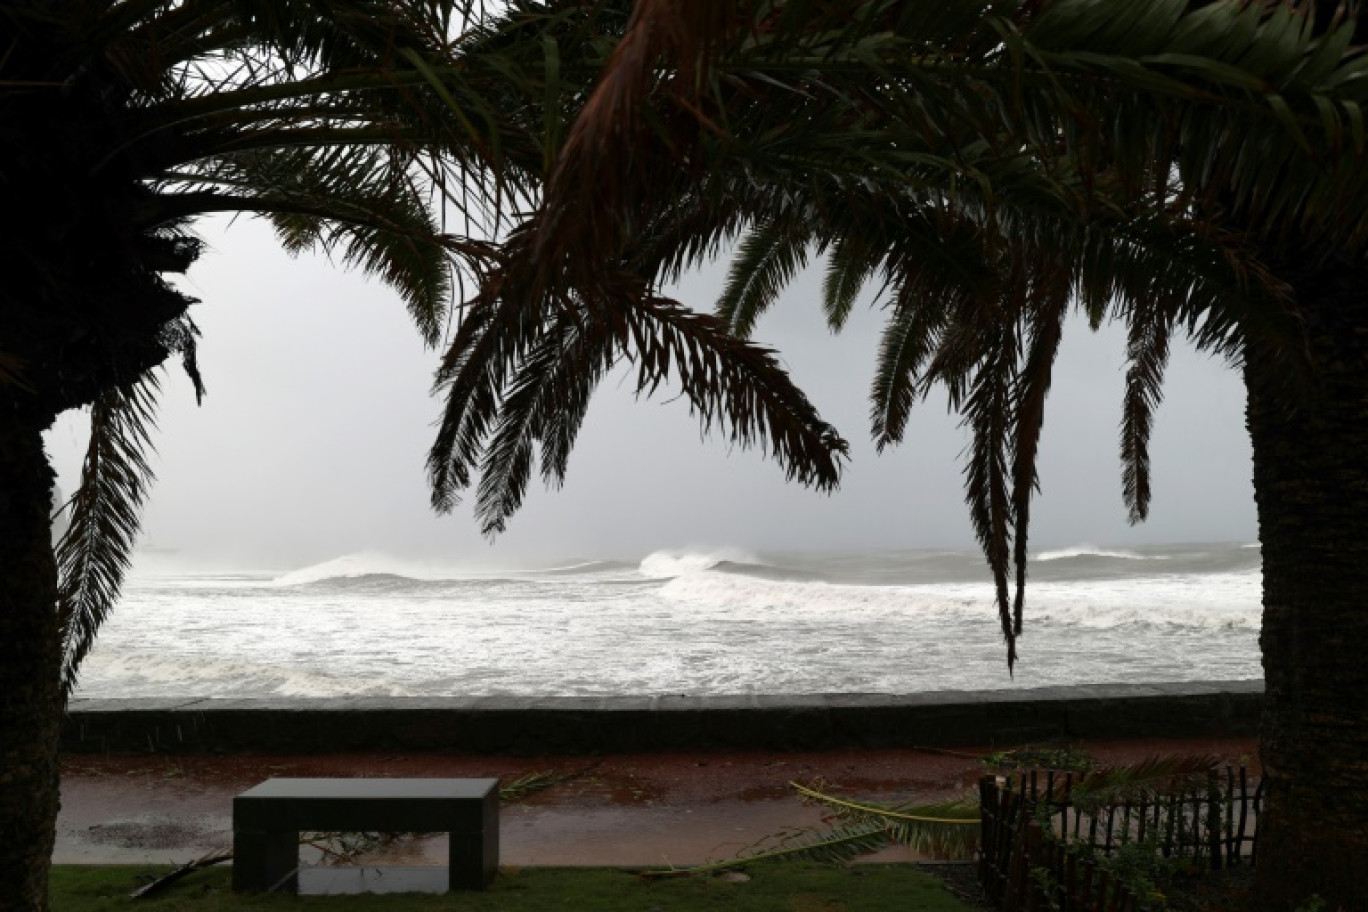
[(681, 622)]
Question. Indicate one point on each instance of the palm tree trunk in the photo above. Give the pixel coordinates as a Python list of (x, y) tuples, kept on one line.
[(30, 699), (1311, 486)]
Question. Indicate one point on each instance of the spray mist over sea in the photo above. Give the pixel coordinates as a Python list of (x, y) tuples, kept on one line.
[(681, 622)]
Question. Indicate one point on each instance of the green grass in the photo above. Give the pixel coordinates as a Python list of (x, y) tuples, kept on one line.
[(772, 888)]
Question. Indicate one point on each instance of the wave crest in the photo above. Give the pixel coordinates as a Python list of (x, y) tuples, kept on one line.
[(376, 564), (1091, 551), (668, 564)]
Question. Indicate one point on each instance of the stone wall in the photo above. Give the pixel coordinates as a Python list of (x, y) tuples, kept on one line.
[(591, 725)]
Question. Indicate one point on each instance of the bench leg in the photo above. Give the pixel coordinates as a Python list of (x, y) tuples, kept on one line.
[(265, 861), (472, 861), (473, 858)]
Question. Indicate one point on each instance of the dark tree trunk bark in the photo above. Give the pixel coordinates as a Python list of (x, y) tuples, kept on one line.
[(30, 658), (1311, 486)]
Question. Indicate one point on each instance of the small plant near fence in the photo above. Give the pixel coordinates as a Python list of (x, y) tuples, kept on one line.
[(1067, 757), (1112, 839)]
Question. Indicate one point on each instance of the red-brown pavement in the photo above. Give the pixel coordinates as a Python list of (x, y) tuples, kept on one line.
[(633, 810)]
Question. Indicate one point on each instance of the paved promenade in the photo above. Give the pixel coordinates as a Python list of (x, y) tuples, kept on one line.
[(655, 782), (647, 810)]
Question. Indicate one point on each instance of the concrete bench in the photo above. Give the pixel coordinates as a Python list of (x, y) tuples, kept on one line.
[(268, 819)]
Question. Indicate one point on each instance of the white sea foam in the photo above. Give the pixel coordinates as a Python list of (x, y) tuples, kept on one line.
[(1209, 601), (725, 592), (236, 676), (678, 622), (668, 564), (1224, 601)]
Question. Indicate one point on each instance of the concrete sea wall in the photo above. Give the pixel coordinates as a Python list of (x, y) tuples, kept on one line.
[(592, 725)]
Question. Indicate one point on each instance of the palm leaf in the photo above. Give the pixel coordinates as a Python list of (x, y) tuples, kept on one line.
[(1143, 781), (537, 781), (987, 411), (513, 378), (948, 828), (12, 371), (835, 845), (850, 265), (95, 552), (1048, 304), (1147, 351), (546, 401), (766, 260)]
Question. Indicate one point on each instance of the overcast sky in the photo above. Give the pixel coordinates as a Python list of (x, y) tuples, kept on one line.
[(312, 439)]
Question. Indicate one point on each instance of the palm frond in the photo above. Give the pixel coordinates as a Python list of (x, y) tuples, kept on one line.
[(537, 781), (357, 202), (483, 350), (95, 552), (930, 336), (737, 385), (943, 828), (834, 845), (514, 378), (987, 412), (850, 264), (1047, 305), (908, 340), (1144, 780), (1147, 348), (1069, 69), (766, 260), (546, 401), (181, 337), (12, 371)]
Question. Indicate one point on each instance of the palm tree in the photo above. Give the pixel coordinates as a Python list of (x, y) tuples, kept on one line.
[(121, 122), (1181, 167), (387, 134)]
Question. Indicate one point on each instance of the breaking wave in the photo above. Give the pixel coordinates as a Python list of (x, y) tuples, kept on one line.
[(372, 570), (360, 565), (1093, 551), (668, 564)]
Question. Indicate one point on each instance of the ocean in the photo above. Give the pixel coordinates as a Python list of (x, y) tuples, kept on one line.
[(682, 622)]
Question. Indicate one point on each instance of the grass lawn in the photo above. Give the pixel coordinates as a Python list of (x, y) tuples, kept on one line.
[(771, 888)]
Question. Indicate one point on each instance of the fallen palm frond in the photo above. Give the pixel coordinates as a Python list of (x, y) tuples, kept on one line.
[(832, 846), (218, 856), (534, 782), (347, 848), (946, 828), (336, 848)]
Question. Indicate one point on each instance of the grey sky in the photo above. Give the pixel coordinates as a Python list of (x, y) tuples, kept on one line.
[(312, 439)]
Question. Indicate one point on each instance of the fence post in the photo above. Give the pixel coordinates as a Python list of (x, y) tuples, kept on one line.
[(1213, 820), (989, 832), (1033, 857), (1017, 833)]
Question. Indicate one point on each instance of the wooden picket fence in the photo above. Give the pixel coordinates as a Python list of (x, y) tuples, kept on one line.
[(1037, 843)]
